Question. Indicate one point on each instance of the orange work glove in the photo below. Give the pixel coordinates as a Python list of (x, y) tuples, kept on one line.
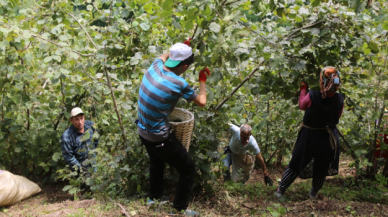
[(304, 86), (202, 74)]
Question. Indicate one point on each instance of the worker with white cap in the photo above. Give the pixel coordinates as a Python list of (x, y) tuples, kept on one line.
[(159, 92), (77, 141)]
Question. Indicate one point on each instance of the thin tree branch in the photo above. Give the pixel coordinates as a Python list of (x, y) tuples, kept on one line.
[(304, 27), (219, 14), (44, 85), (270, 158), (111, 88), (90, 38), (238, 86), (243, 24), (92, 77), (194, 32), (81, 54), (229, 3), (25, 48), (348, 146), (122, 208), (235, 89)]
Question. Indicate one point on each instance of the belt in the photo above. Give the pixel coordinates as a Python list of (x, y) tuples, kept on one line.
[(333, 141)]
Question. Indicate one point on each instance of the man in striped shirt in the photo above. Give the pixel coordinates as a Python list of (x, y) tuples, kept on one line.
[(159, 92)]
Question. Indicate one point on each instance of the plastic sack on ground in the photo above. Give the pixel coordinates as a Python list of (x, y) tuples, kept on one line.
[(14, 188)]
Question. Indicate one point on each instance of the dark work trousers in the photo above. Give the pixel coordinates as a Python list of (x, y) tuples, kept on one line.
[(172, 152), (289, 177)]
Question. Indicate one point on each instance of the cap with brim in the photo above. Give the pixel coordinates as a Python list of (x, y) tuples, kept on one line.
[(172, 63), (76, 111), (178, 53)]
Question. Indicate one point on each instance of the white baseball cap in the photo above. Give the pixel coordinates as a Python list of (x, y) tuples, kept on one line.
[(76, 111), (178, 52)]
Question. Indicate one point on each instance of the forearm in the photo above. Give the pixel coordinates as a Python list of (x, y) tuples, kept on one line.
[(201, 97), (304, 100), (164, 57), (260, 160)]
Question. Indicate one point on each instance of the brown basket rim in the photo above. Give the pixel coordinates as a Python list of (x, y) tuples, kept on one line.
[(183, 111)]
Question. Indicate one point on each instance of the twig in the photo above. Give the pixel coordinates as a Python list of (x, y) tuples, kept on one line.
[(219, 14), (92, 77), (90, 38), (95, 6), (25, 48), (110, 86), (257, 34), (347, 145), (229, 3), (270, 158), (194, 32), (304, 27), (236, 88), (44, 85), (122, 208), (85, 55)]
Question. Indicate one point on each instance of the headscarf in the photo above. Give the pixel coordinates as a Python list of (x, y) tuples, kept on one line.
[(329, 80)]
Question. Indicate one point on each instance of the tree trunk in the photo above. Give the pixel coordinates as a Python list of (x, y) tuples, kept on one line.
[(385, 170)]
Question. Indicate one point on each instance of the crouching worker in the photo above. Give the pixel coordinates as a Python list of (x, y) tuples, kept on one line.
[(76, 142), (159, 92), (237, 155), (316, 151)]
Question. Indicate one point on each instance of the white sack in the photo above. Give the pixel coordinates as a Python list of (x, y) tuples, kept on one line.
[(14, 188)]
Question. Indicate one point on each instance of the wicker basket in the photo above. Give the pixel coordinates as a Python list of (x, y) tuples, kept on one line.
[(182, 130)]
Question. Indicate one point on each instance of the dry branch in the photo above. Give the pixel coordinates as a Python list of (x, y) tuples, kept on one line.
[(121, 206)]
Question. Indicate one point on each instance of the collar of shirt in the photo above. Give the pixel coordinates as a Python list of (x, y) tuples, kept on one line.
[(87, 126)]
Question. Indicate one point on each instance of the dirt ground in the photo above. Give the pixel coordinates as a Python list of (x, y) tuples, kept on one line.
[(251, 199)]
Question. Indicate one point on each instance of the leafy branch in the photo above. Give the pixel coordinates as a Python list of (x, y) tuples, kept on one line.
[(87, 34), (79, 53), (304, 27)]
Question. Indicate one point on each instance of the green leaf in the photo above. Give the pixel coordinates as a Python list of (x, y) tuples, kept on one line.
[(67, 187), (167, 5), (57, 156), (73, 55), (285, 73), (237, 109), (48, 59), (176, 24), (214, 27), (315, 3), (282, 210), (255, 90), (85, 137), (290, 121), (373, 47), (18, 149), (148, 8), (26, 34), (385, 25), (145, 26)]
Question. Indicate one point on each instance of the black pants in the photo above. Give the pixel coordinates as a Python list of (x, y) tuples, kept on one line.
[(172, 152)]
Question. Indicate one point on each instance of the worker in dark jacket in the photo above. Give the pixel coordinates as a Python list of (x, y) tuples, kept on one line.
[(316, 151), (76, 141)]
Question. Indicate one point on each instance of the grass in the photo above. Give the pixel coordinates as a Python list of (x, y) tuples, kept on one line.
[(339, 196)]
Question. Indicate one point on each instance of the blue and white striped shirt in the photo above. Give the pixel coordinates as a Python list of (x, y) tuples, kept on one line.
[(159, 92)]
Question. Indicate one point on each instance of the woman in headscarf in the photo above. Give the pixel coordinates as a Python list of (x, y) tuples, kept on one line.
[(316, 150)]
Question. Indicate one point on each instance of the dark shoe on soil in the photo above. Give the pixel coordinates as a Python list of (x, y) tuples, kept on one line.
[(163, 200), (313, 195), (189, 212), (279, 195)]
